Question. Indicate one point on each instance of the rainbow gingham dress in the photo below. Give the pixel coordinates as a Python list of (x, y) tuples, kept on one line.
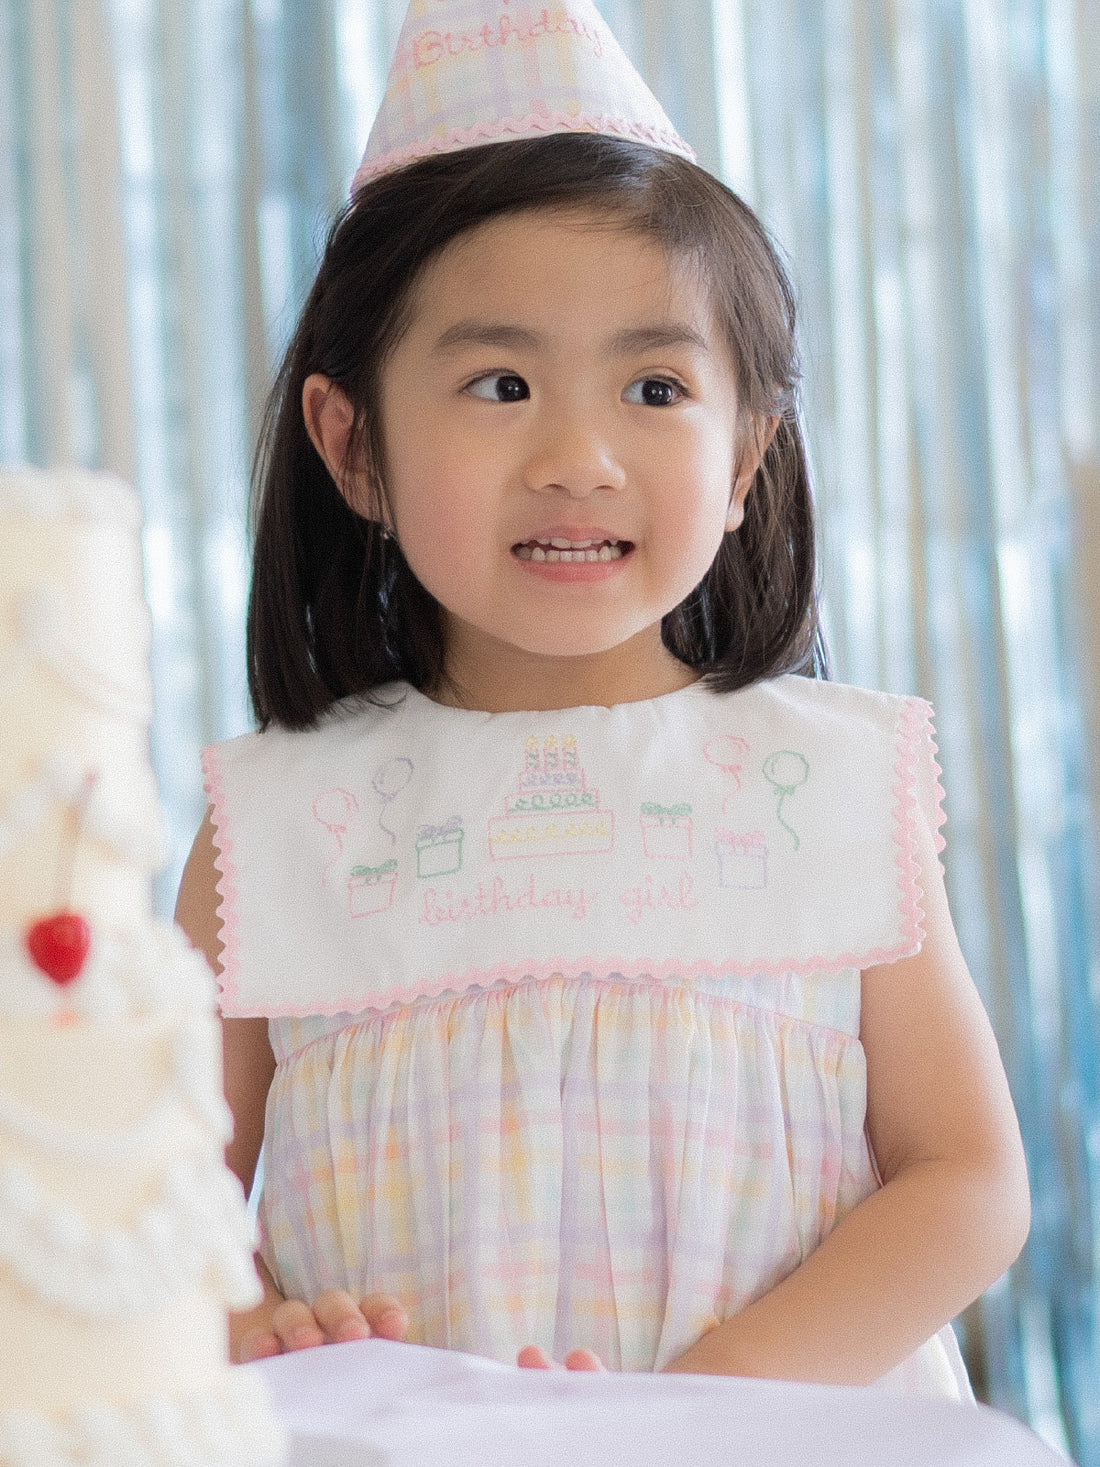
[(565, 1006)]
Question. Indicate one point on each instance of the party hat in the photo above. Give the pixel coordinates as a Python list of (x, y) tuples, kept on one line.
[(468, 72)]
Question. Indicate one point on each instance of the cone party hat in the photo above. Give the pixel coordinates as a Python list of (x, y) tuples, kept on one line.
[(469, 72)]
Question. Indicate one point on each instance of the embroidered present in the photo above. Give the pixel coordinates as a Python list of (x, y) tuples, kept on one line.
[(371, 888), (439, 848), (666, 832), (742, 859)]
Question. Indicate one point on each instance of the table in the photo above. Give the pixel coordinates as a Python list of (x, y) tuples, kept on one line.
[(378, 1404)]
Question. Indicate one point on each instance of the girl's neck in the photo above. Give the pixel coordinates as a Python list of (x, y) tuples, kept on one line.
[(510, 680)]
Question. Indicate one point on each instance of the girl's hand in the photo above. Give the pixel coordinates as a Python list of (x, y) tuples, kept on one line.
[(532, 1358), (277, 1325), (953, 1210), (334, 1319)]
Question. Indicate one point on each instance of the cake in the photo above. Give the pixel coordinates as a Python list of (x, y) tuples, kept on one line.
[(552, 812), (124, 1239)]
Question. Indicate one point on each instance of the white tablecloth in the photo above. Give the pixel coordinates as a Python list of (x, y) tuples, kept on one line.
[(376, 1404)]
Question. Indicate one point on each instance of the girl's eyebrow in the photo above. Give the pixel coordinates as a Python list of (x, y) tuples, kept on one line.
[(656, 336), (651, 337), (488, 333)]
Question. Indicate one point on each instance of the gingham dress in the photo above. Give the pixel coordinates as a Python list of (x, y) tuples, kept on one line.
[(597, 1164), (607, 1152)]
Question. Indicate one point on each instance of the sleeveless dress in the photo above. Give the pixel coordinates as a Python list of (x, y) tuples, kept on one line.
[(551, 1145)]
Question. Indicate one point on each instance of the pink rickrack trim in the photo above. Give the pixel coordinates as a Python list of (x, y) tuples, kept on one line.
[(915, 737), (632, 970), (929, 736), (229, 906), (648, 984), (535, 122)]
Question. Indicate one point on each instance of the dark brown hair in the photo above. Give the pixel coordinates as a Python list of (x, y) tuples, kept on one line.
[(334, 608)]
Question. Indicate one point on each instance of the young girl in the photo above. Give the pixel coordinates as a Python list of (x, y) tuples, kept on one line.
[(587, 950)]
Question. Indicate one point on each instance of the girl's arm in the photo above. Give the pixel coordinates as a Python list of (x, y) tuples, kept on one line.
[(953, 1211), (277, 1324)]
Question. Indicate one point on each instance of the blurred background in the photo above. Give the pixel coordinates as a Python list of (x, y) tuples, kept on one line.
[(931, 170)]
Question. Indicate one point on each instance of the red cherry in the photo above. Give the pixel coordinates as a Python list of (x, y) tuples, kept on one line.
[(59, 946)]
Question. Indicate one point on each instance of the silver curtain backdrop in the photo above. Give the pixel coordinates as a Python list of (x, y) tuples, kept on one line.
[(931, 168)]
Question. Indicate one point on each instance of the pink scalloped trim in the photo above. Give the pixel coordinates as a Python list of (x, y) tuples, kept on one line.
[(915, 734), (477, 980), (614, 982), (914, 738), (928, 730), (535, 122), (229, 906)]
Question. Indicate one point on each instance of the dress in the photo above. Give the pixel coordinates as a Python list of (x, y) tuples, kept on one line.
[(553, 1145)]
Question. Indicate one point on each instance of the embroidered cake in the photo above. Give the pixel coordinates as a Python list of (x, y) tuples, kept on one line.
[(553, 812), (123, 1238)]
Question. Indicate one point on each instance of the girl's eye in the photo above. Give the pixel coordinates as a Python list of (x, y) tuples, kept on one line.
[(500, 387), (654, 392)]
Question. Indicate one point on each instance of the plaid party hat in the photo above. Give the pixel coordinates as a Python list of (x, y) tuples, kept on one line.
[(468, 72)]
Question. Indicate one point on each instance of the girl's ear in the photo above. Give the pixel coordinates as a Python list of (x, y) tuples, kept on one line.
[(763, 431), (329, 418)]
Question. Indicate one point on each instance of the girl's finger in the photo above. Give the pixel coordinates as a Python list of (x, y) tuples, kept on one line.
[(583, 1360), (261, 1344), (340, 1317), (532, 1358), (386, 1316), (296, 1326)]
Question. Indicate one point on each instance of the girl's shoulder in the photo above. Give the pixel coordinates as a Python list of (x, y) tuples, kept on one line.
[(828, 717), (811, 696), (349, 719), (833, 714)]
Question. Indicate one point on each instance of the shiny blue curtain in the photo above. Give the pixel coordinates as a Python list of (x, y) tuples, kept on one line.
[(929, 167)]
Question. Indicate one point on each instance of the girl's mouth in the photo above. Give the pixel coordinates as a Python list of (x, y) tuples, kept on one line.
[(574, 552)]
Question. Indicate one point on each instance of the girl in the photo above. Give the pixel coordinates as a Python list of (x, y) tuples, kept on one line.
[(587, 950)]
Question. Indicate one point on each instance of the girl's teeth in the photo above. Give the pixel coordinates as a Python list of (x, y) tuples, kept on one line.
[(570, 552)]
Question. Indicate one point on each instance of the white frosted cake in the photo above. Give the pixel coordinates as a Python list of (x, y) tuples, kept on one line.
[(123, 1237)]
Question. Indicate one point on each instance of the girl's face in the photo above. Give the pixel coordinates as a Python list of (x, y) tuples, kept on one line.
[(561, 456)]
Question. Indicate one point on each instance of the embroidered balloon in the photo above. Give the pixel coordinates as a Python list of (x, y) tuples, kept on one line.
[(335, 809), (728, 752), (388, 782), (786, 772)]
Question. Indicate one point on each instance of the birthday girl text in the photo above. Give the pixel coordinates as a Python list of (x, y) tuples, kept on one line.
[(490, 898)]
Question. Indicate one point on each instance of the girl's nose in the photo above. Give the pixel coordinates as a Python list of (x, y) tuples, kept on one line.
[(572, 457)]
